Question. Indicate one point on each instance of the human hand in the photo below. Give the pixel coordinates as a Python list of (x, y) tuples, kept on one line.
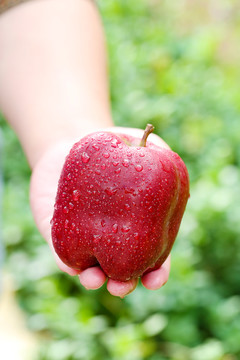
[(43, 189)]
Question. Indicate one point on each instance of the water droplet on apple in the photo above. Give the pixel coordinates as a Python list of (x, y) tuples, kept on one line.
[(129, 191), (71, 205), (85, 157), (115, 143), (73, 225), (96, 147), (125, 228), (127, 206), (138, 167), (111, 190), (136, 236), (76, 195), (103, 223), (115, 163), (66, 224), (65, 209), (117, 171), (98, 172), (103, 166), (115, 228), (126, 162), (106, 155), (69, 176), (96, 238), (142, 154)]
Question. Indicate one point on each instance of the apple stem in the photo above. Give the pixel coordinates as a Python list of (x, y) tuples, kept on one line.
[(149, 129)]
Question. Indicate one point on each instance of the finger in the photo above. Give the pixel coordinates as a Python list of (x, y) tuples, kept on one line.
[(63, 267), (121, 288), (92, 278), (156, 279)]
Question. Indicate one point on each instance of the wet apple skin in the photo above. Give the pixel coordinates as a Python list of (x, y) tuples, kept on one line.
[(118, 206)]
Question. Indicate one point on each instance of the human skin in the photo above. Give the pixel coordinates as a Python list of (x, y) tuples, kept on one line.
[(53, 91)]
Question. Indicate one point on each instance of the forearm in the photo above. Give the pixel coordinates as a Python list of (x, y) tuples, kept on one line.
[(53, 79)]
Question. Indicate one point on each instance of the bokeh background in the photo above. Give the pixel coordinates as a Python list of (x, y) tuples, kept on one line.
[(175, 64)]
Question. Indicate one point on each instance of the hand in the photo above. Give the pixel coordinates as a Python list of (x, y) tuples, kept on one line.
[(43, 189)]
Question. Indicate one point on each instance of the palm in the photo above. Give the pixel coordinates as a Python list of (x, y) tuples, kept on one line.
[(42, 194)]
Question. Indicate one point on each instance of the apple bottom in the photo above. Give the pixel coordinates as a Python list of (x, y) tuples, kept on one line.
[(128, 257)]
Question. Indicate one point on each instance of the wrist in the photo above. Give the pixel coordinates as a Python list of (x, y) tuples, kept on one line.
[(53, 73)]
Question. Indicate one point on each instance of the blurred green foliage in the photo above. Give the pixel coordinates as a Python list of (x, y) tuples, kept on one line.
[(174, 64)]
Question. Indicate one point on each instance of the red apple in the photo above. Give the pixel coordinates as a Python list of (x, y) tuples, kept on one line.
[(119, 204)]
